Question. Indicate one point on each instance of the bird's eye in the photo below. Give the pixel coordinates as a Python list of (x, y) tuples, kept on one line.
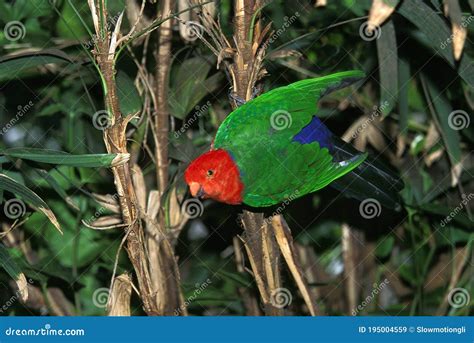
[(210, 172)]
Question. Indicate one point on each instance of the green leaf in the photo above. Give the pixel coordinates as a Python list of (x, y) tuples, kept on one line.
[(40, 177), (89, 242), (130, 101), (388, 67), (456, 214), (8, 263), (26, 194), (57, 187), (440, 108), (186, 92), (435, 28), (384, 246), (403, 84), (10, 266), (10, 67), (63, 158), (70, 25), (449, 236)]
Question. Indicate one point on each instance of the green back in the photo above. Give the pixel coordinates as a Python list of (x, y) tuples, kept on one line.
[(259, 136)]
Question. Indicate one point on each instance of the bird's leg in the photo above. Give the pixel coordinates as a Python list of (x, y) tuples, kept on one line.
[(257, 90), (237, 99)]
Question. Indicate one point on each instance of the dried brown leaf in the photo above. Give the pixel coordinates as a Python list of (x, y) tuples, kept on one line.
[(119, 296), (320, 3), (140, 186), (379, 13), (108, 201), (459, 35), (285, 243), (22, 285)]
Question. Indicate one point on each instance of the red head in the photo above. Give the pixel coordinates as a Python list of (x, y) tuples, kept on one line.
[(215, 175)]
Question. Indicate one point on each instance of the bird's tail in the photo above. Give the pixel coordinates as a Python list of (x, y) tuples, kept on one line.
[(370, 180)]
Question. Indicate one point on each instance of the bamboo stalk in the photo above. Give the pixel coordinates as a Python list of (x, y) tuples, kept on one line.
[(160, 297)]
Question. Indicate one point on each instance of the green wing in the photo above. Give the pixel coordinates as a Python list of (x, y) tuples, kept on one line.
[(259, 135)]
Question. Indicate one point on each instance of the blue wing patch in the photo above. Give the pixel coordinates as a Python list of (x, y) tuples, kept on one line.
[(315, 131)]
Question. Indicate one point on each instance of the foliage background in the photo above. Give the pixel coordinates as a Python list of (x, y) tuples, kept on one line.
[(418, 259)]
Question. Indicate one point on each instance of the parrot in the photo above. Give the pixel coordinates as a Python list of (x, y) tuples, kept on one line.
[(274, 148)]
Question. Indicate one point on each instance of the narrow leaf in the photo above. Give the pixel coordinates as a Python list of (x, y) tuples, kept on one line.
[(380, 11), (129, 99), (63, 158), (453, 10), (13, 65), (403, 84), (57, 187), (441, 109), (12, 269), (388, 67), (26, 194), (439, 34)]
